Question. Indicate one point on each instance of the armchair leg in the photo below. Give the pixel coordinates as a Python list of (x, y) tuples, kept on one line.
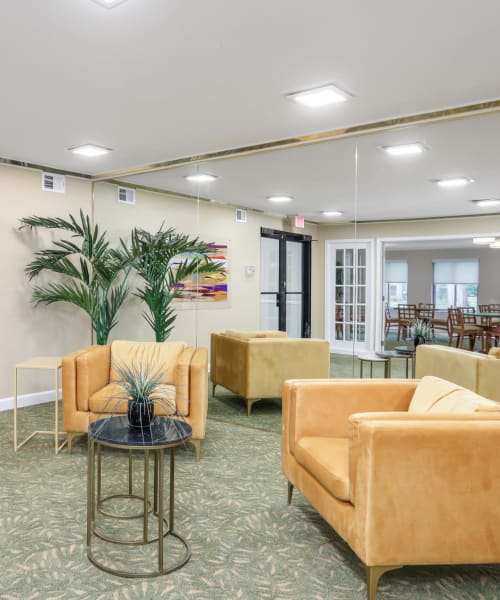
[(213, 388), (197, 448), (250, 402), (70, 437), (373, 574), (290, 492)]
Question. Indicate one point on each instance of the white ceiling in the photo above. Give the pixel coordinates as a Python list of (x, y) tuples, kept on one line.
[(162, 79)]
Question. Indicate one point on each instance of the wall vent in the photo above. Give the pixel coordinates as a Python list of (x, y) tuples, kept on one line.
[(53, 182), (241, 215), (126, 195)]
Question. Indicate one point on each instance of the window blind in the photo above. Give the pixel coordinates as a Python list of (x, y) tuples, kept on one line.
[(396, 271), (456, 271)]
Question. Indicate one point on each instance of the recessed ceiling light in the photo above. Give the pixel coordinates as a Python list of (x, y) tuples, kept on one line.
[(454, 182), (320, 96), (279, 199), (332, 213), (495, 244), (404, 149), (89, 150), (109, 3), (487, 202), (483, 241), (201, 177)]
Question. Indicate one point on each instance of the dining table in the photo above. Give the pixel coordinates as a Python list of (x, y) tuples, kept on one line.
[(485, 320)]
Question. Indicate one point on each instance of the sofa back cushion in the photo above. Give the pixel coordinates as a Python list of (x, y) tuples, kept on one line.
[(245, 335), (159, 357), (436, 395)]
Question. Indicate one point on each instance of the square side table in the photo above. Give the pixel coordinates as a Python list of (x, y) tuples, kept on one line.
[(48, 363)]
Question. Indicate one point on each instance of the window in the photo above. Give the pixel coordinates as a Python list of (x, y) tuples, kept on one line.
[(455, 282), (396, 282)]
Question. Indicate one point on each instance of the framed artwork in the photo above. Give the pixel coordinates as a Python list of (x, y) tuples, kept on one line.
[(207, 287)]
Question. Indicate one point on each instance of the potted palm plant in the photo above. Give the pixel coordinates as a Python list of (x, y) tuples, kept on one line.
[(93, 275), (152, 256)]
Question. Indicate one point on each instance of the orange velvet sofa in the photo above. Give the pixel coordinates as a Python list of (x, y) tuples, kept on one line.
[(406, 472), (254, 364)]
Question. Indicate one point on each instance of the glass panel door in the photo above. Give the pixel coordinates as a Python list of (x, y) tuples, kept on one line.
[(286, 282), (346, 304), (269, 283)]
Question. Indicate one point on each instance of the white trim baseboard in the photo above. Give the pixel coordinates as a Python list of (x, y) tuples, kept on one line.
[(28, 399)]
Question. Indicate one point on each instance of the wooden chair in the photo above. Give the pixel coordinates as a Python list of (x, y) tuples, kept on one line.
[(463, 324), (426, 312), (407, 313), (490, 325), (390, 321)]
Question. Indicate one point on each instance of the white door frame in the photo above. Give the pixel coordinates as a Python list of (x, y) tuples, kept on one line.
[(379, 268), (330, 246)]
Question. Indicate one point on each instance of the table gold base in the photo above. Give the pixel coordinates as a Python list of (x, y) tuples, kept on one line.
[(165, 526)]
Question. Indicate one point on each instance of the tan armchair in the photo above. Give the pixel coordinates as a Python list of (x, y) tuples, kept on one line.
[(254, 365), (90, 391), (405, 472)]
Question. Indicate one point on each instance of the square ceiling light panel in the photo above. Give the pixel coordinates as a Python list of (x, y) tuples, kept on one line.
[(320, 96)]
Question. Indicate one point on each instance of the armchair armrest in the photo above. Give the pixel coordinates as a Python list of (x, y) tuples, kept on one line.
[(426, 488), (322, 407), (92, 373), (69, 378), (198, 392)]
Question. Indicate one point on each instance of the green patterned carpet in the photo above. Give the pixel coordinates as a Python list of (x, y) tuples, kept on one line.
[(246, 542)]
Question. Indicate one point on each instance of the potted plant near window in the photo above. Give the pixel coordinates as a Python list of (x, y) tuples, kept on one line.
[(420, 332)]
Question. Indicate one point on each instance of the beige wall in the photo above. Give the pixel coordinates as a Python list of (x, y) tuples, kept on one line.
[(28, 331), (420, 271)]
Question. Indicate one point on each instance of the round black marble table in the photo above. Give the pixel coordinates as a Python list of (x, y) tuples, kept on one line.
[(115, 432)]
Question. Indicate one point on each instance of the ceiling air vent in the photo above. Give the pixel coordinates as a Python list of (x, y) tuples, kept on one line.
[(53, 182), (126, 195), (241, 215)]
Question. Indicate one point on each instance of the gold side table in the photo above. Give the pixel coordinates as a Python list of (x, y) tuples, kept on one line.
[(48, 363)]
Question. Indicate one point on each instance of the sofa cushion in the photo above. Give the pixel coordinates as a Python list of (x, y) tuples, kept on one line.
[(160, 357), (435, 395), (464, 401), (429, 390), (246, 335), (111, 399), (326, 458)]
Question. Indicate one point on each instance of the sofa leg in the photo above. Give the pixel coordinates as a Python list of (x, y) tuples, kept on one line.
[(373, 574), (70, 437), (290, 492), (250, 403), (197, 448)]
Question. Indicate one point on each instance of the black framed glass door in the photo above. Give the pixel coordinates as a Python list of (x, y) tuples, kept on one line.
[(286, 282)]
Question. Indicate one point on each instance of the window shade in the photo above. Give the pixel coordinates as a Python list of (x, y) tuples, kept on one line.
[(456, 271), (396, 271)]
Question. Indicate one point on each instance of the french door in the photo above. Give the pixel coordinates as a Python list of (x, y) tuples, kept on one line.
[(349, 275), (285, 299)]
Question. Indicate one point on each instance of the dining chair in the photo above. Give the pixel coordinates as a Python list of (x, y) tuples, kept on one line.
[(407, 313), (390, 320), (463, 324)]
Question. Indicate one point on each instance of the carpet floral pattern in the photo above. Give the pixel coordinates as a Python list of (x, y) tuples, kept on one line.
[(246, 542)]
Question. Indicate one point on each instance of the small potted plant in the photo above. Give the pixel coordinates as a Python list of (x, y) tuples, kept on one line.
[(143, 387), (420, 332)]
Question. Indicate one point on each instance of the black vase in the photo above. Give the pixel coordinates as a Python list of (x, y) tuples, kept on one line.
[(140, 413), (418, 339)]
